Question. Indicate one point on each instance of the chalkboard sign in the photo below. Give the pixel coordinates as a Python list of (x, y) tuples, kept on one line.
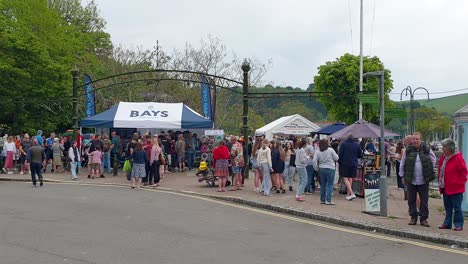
[(372, 192)]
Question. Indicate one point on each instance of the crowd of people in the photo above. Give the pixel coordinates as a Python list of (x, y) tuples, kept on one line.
[(101, 154), (274, 163)]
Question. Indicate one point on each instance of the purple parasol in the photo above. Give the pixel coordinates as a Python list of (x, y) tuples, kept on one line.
[(362, 129)]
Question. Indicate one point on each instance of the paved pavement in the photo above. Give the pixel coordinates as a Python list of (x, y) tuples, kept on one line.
[(61, 223), (344, 212)]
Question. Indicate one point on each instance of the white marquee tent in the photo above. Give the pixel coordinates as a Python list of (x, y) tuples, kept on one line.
[(287, 125)]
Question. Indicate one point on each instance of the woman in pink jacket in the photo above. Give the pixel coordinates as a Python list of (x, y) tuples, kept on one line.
[(154, 174), (452, 179)]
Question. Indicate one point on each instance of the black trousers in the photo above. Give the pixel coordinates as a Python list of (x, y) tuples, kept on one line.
[(36, 168), (154, 172), (423, 191), (147, 170), (399, 179), (388, 165)]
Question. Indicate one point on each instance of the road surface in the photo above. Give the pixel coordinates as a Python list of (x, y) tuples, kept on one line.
[(63, 223)]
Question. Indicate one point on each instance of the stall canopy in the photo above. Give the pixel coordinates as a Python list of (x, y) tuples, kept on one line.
[(288, 125), (330, 129), (148, 115), (363, 129)]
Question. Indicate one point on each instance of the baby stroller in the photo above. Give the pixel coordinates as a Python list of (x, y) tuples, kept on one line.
[(207, 175)]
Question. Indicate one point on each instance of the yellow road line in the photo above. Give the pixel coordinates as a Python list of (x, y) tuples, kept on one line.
[(291, 218)]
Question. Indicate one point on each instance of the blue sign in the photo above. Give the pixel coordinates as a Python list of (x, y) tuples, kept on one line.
[(206, 98), (90, 99)]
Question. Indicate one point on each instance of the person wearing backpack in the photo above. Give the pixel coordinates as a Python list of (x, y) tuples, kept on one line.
[(106, 150), (417, 170)]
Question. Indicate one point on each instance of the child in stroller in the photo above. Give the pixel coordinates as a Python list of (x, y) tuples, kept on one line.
[(207, 174)]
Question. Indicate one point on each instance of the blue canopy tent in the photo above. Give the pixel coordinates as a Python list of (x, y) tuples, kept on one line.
[(148, 115), (330, 129)]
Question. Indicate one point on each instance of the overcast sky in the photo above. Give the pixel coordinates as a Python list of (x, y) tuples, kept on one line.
[(423, 42)]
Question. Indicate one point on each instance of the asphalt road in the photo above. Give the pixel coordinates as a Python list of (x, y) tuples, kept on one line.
[(89, 224)]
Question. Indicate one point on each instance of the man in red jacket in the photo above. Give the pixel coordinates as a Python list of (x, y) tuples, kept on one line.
[(452, 179)]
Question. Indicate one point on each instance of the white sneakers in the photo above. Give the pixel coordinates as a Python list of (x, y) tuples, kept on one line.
[(351, 197)]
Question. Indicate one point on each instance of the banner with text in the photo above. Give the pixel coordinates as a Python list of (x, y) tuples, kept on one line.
[(90, 103), (206, 98)]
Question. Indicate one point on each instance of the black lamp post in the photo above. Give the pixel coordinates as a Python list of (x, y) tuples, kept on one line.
[(245, 113), (383, 177), (76, 75), (411, 93)]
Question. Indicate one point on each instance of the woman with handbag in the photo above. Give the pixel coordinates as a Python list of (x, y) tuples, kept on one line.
[(256, 165), (138, 166), (10, 149), (155, 162), (57, 153), (74, 156)]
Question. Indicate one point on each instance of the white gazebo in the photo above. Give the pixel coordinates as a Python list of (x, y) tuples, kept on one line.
[(288, 125)]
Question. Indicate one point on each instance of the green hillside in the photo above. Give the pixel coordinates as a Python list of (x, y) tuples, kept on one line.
[(448, 105)]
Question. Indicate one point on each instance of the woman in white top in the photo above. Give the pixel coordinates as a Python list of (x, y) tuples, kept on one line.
[(301, 162), (255, 165), (264, 162), (74, 156), (10, 149), (324, 162)]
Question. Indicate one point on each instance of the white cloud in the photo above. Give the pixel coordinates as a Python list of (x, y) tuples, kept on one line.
[(423, 42)]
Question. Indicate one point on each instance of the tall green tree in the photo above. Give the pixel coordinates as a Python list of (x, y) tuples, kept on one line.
[(431, 124), (338, 81), (38, 48)]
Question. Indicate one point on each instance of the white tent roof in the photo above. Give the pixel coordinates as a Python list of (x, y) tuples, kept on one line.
[(288, 125)]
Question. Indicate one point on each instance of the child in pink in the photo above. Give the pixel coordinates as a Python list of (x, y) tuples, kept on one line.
[(95, 158)]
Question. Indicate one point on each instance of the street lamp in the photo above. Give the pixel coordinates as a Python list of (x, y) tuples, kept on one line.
[(245, 111), (412, 92), (383, 175), (76, 76)]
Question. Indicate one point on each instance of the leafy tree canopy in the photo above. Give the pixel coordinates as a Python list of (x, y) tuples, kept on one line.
[(40, 42), (339, 82)]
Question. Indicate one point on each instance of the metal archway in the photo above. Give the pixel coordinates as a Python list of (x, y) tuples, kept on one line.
[(245, 84)]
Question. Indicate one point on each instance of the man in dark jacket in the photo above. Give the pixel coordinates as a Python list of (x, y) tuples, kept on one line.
[(417, 170), (36, 157), (349, 153)]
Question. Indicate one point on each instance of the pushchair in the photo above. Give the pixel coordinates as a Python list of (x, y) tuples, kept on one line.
[(208, 174), (208, 177)]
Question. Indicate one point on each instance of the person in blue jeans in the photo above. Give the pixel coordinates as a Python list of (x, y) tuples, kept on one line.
[(324, 162), (190, 151), (106, 149), (264, 161), (452, 178), (310, 150), (301, 159)]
